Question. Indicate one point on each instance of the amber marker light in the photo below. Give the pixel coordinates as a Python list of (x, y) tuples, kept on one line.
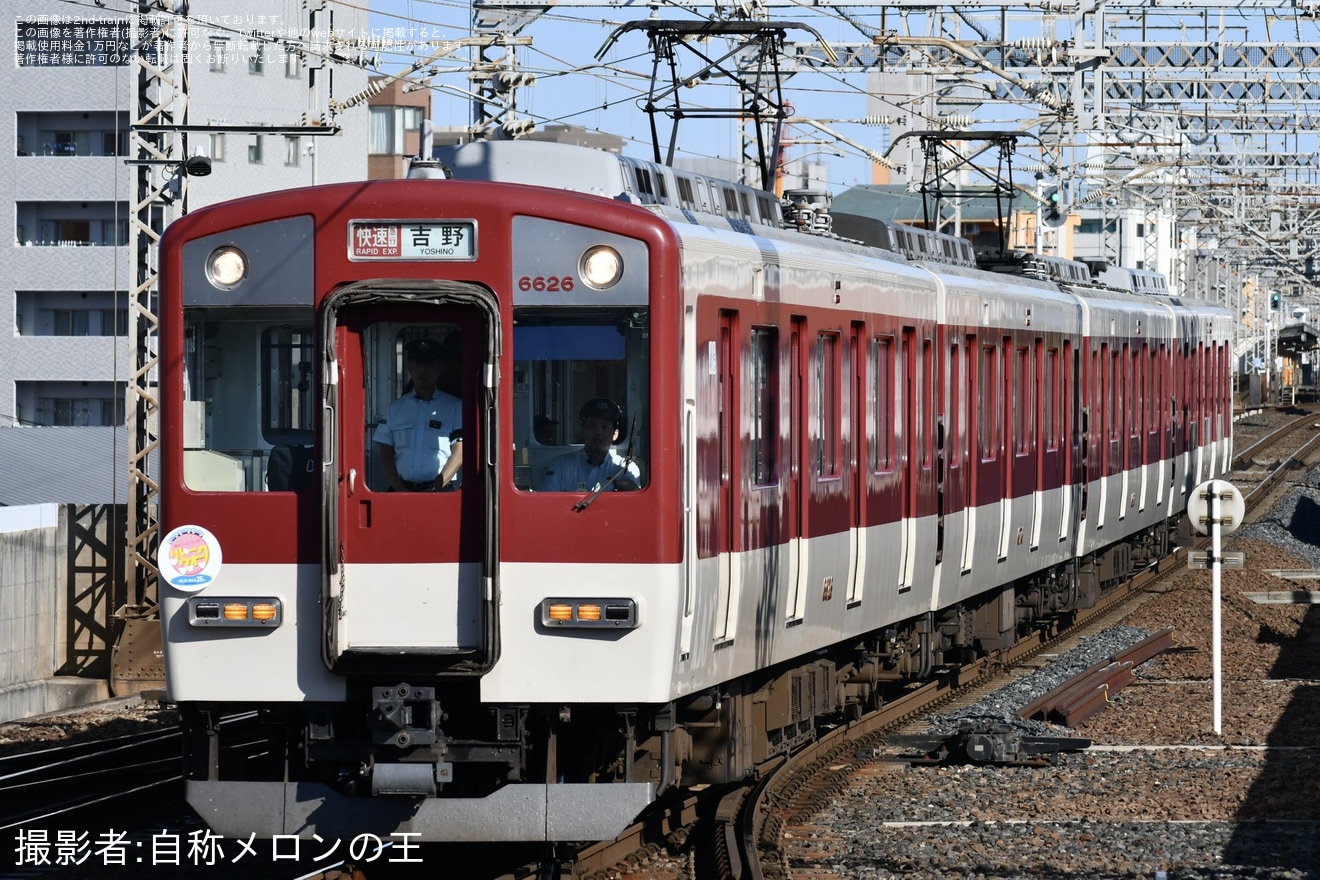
[(592, 613), (264, 611), (235, 611)]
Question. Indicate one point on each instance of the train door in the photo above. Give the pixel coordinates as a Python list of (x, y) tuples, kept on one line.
[(966, 381), (1069, 406), (1141, 410), (856, 441), (1192, 414), (1129, 414), (798, 494), (988, 476), (1008, 449), (949, 474), (825, 477), (1086, 427), (1170, 417), (886, 465), (1156, 414), (1024, 477), (1191, 417), (910, 464), (1104, 428), (409, 556), (1218, 381), (1202, 417), (1049, 455), (723, 518)]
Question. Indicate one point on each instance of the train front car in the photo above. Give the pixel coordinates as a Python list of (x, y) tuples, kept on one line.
[(457, 659)]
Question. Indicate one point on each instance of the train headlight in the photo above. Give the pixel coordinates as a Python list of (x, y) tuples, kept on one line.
[(226, 267), (590, 613), (601, 267)]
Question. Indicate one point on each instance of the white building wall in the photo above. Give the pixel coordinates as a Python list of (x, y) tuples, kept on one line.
[(51, 192)]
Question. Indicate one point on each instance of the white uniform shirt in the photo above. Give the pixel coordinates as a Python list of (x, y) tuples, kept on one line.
[(571, 472), (421, 432)]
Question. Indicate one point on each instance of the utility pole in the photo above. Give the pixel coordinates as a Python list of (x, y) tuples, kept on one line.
[(162, 100)]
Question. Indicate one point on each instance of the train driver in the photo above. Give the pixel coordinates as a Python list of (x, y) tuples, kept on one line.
[(420, 443), (596, 464)]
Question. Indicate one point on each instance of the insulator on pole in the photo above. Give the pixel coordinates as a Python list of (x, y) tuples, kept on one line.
[(371, 91)]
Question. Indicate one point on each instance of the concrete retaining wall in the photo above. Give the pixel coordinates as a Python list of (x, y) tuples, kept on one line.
[(34, 615)]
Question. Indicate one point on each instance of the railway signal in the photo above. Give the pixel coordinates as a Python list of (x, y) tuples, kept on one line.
[(1052, 208)]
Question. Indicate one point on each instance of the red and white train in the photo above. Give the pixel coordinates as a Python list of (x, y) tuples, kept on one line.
[(862, 457)]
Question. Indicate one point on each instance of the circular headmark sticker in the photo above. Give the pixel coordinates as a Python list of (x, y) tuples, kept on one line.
[(189, 558)]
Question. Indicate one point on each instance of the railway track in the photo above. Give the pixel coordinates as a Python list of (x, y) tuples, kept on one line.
[(55, 783), (796, 789)]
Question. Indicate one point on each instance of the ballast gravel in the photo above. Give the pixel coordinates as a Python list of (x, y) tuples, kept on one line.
[(1159, 794)]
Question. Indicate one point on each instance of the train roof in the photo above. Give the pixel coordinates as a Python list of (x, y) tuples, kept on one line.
[(538, 163), (597, 172), (684, 194), (688, 196), (1135, 280)]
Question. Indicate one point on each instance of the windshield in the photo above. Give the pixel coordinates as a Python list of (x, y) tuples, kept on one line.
[(581, 388), (249, 400)]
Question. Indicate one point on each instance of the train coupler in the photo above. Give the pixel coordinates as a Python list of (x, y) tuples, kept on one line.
[(403, 716)]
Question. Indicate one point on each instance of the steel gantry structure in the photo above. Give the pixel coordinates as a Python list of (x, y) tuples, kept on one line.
[(1199, 114)]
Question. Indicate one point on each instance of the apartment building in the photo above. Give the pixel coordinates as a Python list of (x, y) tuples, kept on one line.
[(258, 88)]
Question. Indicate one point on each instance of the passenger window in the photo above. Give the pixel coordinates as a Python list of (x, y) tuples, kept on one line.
[(730, 202), (686, 198), (882, 404), (825, 382), (765, 396), (644, 188)]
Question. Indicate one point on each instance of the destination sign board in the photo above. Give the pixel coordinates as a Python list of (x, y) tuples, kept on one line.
[(412, 240)]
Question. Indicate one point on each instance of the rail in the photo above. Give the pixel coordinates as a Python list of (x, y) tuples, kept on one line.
[(1088, 692)]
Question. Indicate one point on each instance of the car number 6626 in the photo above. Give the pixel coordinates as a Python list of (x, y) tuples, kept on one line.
[(550, 283)]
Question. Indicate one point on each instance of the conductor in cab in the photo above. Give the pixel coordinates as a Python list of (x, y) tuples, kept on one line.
[(420, 443), (596, 465)]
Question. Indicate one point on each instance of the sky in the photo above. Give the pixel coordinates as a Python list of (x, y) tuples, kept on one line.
[(573, 88)]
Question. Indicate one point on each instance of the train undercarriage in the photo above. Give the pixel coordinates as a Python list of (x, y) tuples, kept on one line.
[(402, 740)]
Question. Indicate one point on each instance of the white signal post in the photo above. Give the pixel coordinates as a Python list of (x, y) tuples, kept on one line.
[(1216, 508)]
